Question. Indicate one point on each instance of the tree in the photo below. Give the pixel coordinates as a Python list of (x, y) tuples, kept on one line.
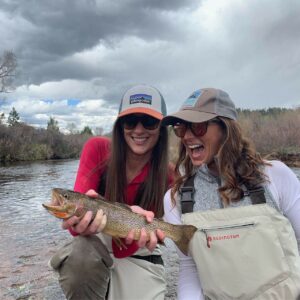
[(8, 65), (52, 125), (99, 131), (13, 117), (72, 128), (87, 130), (2, 117)]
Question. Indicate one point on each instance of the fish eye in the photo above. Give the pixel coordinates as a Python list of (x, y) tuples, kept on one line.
[(66, 196)]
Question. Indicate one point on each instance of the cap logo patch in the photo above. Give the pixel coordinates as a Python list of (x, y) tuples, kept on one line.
[(140, 98), (191, 100)]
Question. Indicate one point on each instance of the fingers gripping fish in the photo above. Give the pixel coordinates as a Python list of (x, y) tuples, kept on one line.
[(120, 218)]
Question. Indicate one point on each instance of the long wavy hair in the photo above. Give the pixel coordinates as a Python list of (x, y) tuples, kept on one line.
[(237, 161), (150, 194)]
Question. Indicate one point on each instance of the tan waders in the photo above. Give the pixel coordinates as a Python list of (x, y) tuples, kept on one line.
[(88, 271), (83, 267)]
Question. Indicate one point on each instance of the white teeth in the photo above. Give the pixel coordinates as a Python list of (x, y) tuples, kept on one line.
[(140, 139), (194, 146)]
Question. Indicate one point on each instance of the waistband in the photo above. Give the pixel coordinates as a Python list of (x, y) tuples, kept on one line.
[(155, 259)]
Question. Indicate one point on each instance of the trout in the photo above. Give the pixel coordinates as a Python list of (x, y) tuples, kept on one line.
[(120, 218)]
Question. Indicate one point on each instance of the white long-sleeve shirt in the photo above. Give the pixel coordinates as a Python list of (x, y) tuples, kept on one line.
[(285, 189)]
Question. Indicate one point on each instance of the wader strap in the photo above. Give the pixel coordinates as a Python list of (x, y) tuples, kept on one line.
[(257, 195), (187, 195)]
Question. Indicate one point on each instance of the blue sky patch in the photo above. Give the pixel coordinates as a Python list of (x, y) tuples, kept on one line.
[(48, 101), (73, 102)]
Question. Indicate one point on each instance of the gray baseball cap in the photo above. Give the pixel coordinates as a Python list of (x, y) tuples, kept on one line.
[(143, 99), (203, 105)]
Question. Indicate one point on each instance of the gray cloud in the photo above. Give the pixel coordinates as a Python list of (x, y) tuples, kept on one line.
[(89, 49), (61, 28)]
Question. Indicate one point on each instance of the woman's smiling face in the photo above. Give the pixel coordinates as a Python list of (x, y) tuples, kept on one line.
[(203, 149), (140, 140)]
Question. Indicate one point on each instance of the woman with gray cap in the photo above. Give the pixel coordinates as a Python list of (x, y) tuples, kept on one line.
[(241, 250), (92, 266)]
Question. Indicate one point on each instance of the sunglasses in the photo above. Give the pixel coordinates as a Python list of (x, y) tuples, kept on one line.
[(148, 122), (198, 129)]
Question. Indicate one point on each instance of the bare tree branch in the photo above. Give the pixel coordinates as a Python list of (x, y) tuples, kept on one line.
[(8, 65)]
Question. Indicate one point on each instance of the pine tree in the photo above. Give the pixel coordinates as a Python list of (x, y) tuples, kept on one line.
[(87, 130), (13, 117), (52, 125)]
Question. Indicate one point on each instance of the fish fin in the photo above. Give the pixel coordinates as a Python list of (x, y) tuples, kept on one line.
[(119, 243), (187, 234)]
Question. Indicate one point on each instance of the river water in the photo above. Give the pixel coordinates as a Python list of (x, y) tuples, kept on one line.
[(29, 235)]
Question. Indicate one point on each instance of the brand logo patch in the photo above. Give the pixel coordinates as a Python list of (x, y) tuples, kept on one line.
[(191, 100), (223, 237), (211, 238), (140, 98)]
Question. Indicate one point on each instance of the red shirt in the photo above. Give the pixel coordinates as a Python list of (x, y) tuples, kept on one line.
[(95, 154)]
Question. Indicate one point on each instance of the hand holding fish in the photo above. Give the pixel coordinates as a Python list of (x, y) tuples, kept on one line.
[(88, 225), (79, 211), (155, 237)]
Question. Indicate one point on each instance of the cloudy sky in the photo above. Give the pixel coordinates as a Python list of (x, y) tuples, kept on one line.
[(77, 57)]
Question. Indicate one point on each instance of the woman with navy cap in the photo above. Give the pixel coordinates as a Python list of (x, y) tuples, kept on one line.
[(92, 266)]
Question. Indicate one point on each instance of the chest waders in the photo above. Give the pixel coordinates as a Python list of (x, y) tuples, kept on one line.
[(139, 276), (247, 252)]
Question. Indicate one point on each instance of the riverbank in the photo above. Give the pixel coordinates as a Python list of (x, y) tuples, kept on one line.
[(290, 159)]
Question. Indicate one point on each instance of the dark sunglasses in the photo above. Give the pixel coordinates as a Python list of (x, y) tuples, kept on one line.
[(198, 129), (148, 122)]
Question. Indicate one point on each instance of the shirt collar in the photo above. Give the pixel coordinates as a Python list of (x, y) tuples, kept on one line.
[(142, 175)]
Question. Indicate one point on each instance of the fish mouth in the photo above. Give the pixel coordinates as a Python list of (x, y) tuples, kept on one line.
[(57, 211)]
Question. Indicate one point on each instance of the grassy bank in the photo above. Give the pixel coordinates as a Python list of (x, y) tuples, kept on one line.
[(275, 133), (290, 159)]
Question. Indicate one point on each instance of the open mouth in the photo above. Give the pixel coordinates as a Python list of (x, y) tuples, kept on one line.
[(56, 210), (196, 148), (64, 211)]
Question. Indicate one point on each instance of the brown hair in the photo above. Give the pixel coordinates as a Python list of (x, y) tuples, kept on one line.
[(151, 192), (238, 163)]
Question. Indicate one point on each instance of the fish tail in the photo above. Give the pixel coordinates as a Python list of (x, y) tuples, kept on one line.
[(187, 232)]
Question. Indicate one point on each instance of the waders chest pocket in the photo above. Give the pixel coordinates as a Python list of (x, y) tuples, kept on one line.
[(238, 259)]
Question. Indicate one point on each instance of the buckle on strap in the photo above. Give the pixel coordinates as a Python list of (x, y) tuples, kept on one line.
[(257, 190), (187, 200), (257, 195), (186, 193), (249, 192)]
